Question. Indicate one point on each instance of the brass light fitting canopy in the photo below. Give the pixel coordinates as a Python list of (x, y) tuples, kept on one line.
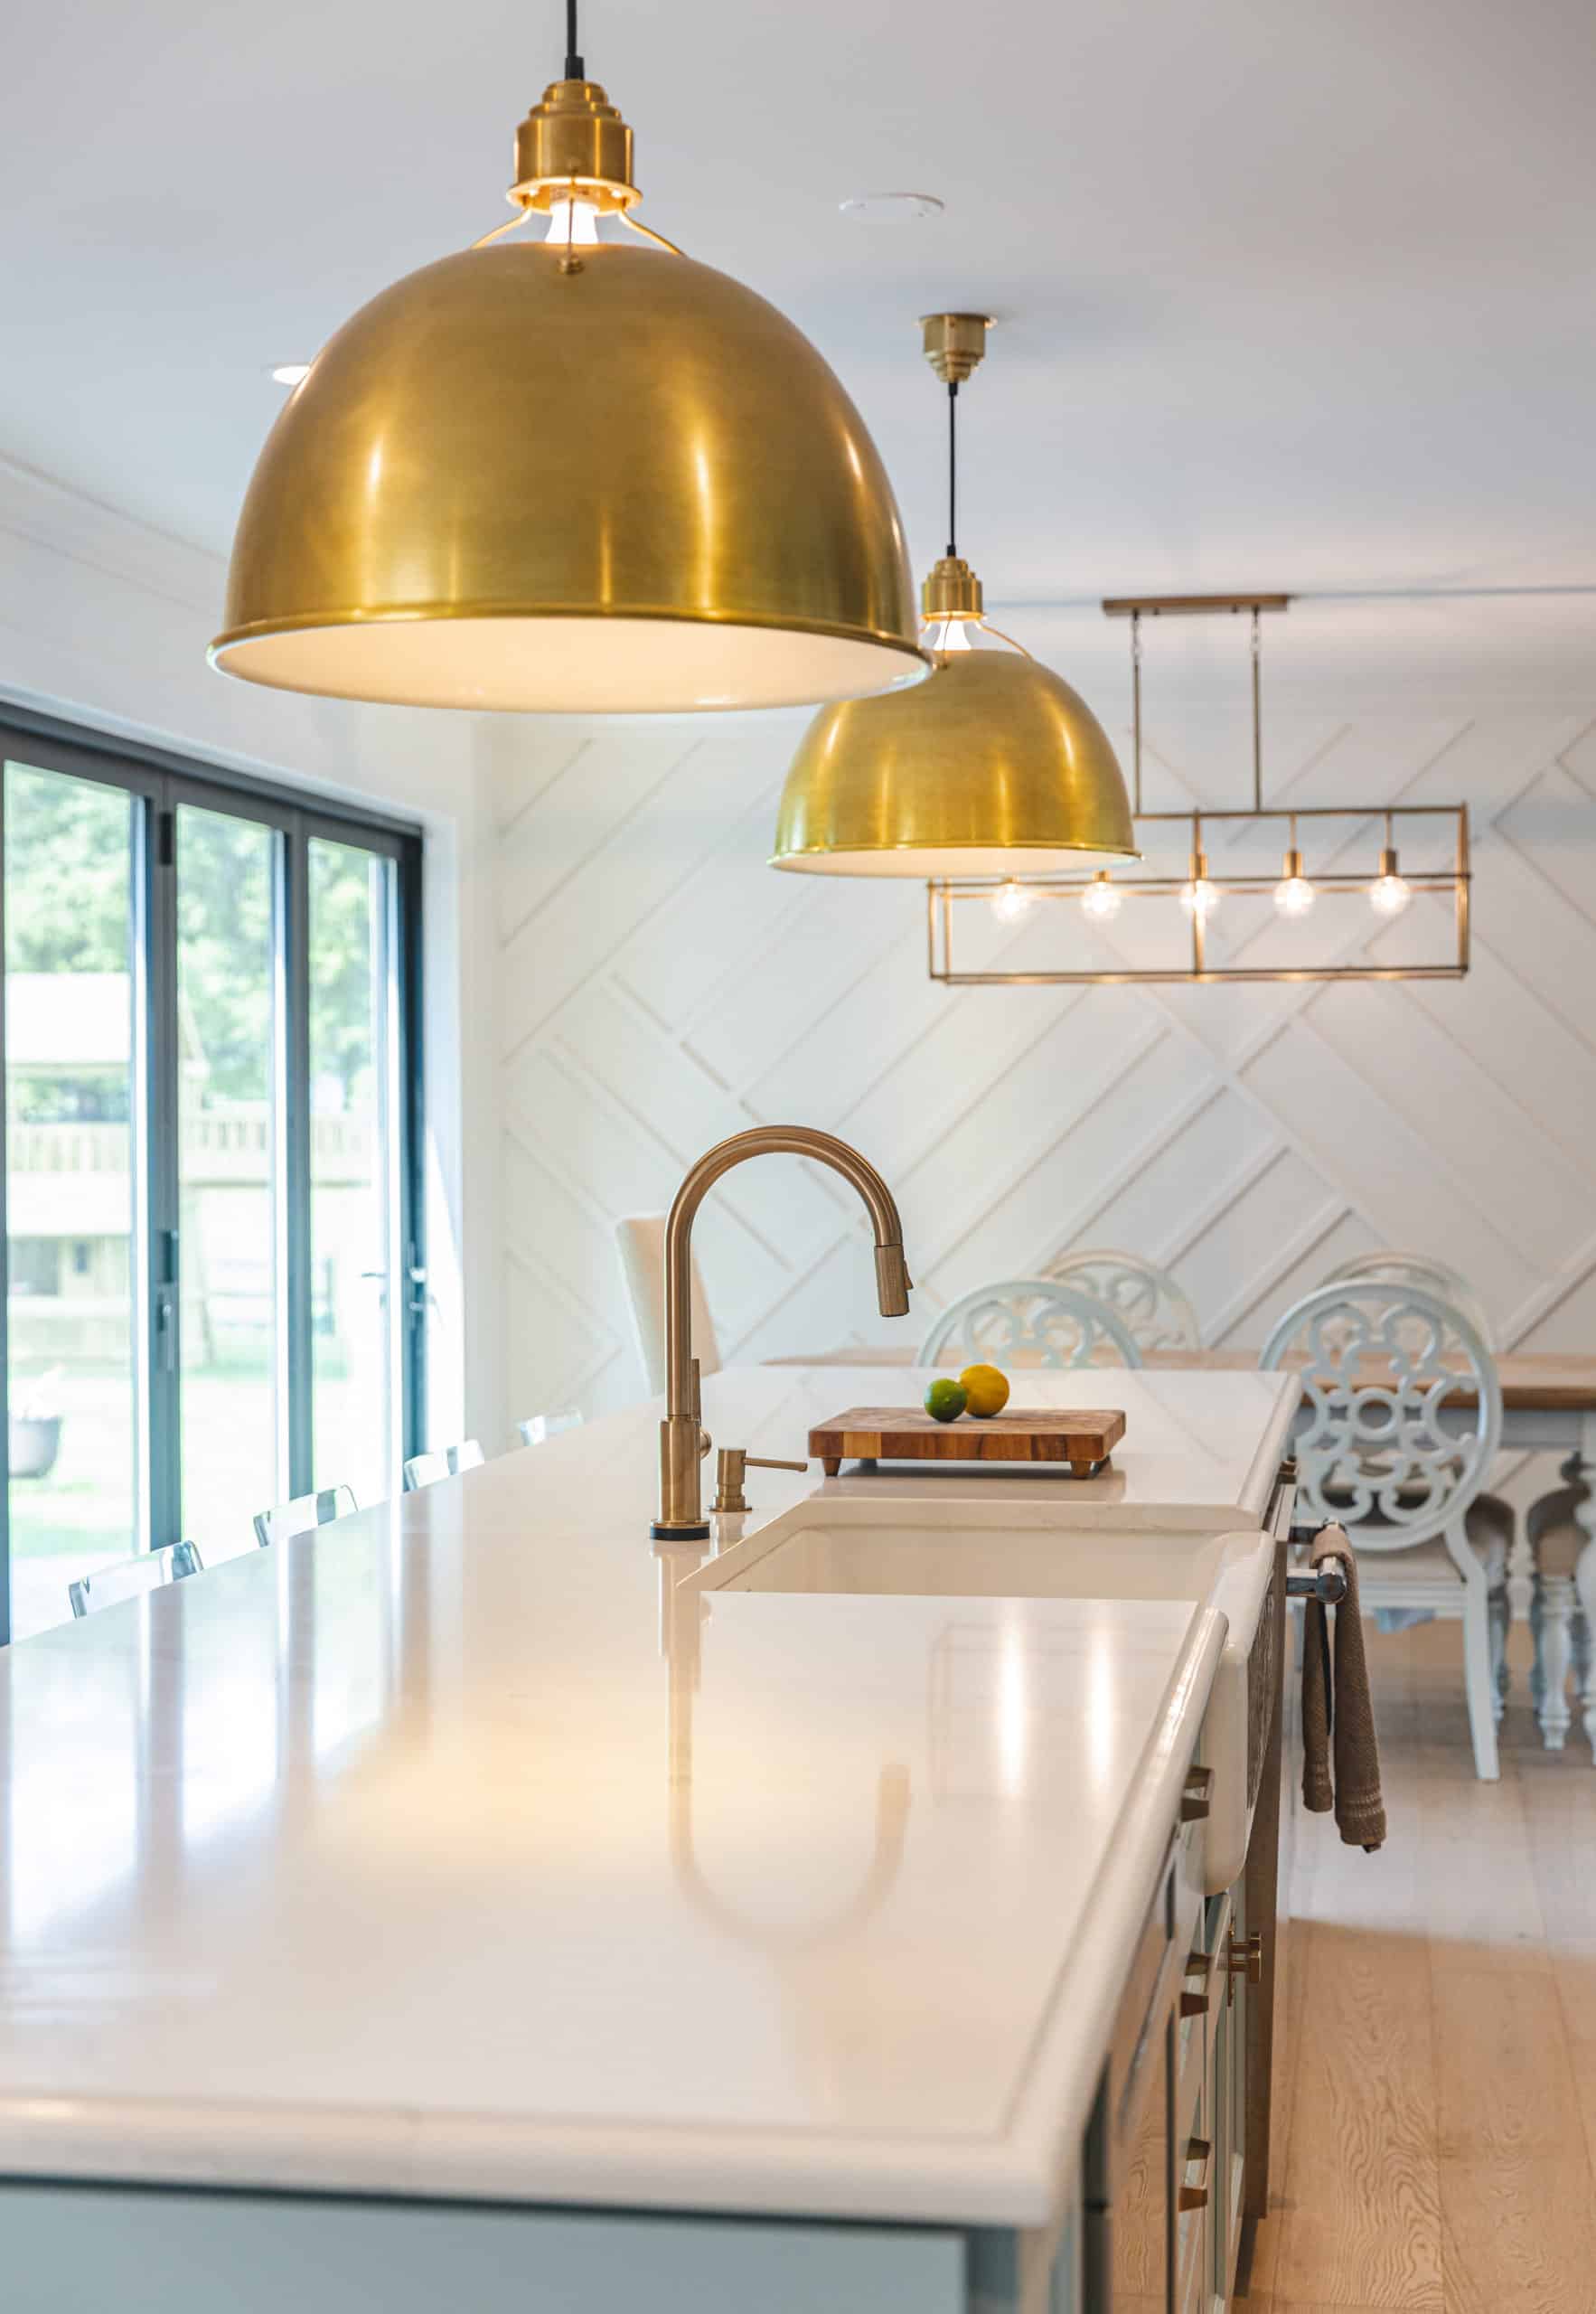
[(571, 475), (994, 767)]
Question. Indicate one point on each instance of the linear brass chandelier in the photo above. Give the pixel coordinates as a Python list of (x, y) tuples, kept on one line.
[(1308, 887), (575, 473)]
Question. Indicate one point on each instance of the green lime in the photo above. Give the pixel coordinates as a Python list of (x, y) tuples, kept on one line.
[(946, 1399)]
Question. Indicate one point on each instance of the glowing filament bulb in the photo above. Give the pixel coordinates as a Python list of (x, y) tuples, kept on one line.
[(1294, 895), (1102, 898), (1010, 901), (1390, 893)]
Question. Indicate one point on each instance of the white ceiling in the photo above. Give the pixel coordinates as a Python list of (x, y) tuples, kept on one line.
[(1291, 296)]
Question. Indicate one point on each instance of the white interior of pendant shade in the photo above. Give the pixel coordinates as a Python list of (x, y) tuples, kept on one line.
[(593, 666), (931, 862)]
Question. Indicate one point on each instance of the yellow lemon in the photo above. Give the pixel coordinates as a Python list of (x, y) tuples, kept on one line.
[(986, 1389)]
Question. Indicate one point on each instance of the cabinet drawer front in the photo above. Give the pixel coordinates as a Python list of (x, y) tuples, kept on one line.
[(126, 2251)]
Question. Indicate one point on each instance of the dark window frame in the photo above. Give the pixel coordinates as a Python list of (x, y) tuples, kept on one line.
[(159, 781)]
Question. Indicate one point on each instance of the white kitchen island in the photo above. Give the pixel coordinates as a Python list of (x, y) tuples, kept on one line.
[(445, 1910)]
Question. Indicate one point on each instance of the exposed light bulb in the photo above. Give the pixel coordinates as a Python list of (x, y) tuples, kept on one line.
[(1390, 893), (1101, 896), (950, 634), (1010, 901), (290, 373), (573, 221), (1294, 895), (1200, 898)]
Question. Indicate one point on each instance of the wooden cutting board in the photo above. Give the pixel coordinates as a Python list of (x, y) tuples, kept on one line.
[(1084, 1438)]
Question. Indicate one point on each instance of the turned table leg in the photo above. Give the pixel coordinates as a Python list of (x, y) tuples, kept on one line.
[(1585, 1575)]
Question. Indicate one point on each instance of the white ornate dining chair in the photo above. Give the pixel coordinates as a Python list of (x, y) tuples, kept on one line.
[(1428, 1274), (1400, 1459), (640, 1238), (1156, 1312), (1029, 1321)]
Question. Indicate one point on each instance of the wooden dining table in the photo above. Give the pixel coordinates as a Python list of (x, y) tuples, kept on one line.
[(1548, 1406)]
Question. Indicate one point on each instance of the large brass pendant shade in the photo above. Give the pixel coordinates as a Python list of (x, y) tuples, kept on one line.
[(571, 475), (993, 767)]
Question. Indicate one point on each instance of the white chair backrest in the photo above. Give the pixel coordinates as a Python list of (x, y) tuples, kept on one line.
[(304, 1513), (640, 1239), (1428, 1274), (1028, 1322), (442, 1462), (1404, 1411), (131, 1577), (1152, 1308), (537, 1428)]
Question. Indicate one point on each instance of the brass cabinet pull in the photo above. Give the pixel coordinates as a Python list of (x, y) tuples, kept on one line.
[(1197, 1797), (1190, 2197), (1243, 1960)]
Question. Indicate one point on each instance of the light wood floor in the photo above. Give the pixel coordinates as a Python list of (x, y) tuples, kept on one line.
[(1440, 2147)]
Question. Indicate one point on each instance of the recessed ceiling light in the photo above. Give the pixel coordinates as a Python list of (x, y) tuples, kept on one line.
[(290, 373), (890, 207)]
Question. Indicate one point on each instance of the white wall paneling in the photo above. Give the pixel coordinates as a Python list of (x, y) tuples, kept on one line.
[(659, 987)]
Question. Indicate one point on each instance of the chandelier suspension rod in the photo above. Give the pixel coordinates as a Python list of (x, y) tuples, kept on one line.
[(1257, 713), (576, 68)]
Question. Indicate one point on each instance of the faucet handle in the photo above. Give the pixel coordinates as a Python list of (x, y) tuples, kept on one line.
[(730, 1465)]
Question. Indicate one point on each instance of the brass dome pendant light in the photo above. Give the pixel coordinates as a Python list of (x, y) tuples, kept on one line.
[(994, 767), (570, 473)]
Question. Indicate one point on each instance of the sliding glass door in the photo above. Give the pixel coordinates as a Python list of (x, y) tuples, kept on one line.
[(214, 1286)]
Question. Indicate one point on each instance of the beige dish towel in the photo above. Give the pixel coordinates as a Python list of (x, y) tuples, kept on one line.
[(1341, 1759)]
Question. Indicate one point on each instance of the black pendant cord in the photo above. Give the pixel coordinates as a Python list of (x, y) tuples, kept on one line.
[(576, 68), (952, 464)]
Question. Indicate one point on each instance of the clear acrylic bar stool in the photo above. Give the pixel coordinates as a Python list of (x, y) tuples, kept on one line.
[(442, 1462), (537, 1428), (130, 1578), (304, 1513)]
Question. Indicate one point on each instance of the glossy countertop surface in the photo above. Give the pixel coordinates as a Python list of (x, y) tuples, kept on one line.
[(451, 1851)]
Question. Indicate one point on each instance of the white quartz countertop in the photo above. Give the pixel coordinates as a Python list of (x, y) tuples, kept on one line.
[(1200, 1450), (445, 1852)]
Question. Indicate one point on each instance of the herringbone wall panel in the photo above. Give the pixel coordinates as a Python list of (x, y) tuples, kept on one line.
[(660, 988)]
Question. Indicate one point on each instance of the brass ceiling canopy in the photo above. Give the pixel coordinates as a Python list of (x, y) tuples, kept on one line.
[(994, 767), (571, 474)]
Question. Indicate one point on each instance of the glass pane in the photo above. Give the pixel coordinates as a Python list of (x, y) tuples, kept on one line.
[(234, 1451), (355, 1276), (71, 1069)]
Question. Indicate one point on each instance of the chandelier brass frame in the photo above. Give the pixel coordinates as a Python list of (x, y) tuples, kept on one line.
[(947, 896)]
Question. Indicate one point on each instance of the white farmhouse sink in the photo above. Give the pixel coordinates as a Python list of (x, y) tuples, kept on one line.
[(885, 1546)]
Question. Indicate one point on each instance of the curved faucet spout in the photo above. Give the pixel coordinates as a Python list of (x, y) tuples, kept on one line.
[(681, 1440)]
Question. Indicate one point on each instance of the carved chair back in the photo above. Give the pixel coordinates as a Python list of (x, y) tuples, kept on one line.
[(1152, 1308), (1403, 1410), (1029, 1321), (1423, 1271)]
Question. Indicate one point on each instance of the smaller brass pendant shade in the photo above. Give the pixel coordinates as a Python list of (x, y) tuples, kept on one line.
[(571, 475), (993, 767)]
